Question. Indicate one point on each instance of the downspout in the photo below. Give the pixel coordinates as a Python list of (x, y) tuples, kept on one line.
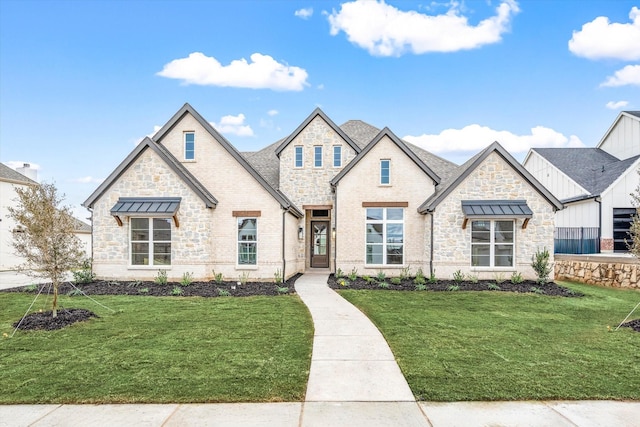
[(91, 211), (431, 270), (335, 227), (598, 200), (284, 260)]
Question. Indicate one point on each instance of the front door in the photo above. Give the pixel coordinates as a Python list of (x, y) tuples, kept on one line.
[(319, 244)]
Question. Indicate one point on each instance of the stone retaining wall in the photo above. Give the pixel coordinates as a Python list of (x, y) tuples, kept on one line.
[(616, 272)]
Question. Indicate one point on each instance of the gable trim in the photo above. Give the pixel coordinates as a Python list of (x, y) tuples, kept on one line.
[(615, 122), (533, 150), (632, 168)]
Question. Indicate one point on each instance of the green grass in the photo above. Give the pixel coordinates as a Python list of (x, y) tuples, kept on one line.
[(253, 349), (456, 346)]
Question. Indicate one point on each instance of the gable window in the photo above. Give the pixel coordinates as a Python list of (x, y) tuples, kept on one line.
[(385, 177), (150, 241), (298, 156), (337, 156), (317, 156), (189, 145), (247, 241), (384, 236), (492, 243)]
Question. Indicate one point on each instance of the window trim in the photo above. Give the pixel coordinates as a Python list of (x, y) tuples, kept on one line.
[(384, 221), (388, 162), (315, 156), (492, 244), (184, 138), (295, 156), (339, 148), (238, 242), (150, 242)]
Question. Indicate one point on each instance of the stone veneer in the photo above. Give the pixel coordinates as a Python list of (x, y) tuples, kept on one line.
[(494, 179), (616, 272)]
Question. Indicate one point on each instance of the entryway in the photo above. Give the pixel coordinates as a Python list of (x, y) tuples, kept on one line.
[(320, 243)]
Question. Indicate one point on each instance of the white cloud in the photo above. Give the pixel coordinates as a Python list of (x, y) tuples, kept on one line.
[(616, 105), (263, 72), (13, 164), (305, 13), (601, 39), (272, 112), (384, 30), (156, 128), (474, 138), (233, 125), (629, 75), (87, 180)]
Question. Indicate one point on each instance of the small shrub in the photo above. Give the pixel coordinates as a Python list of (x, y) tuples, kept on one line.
[(536, 290), (144, 291), (177, 290), (368, 279), (432, 277), (223, 293), (405, 273), (419, 273), (161, 277), (135, 284), (277, 277), (383, 285), (84, 274), (343, 282), (113, 283), (458, 276), (217, 277), (421, 287), (453, 288), (381, 276), (244, 278), (339, 273), (494, 287), (516, 278), (542, 267), (499, 277), (282, 289), (187, 279), (74, 293), (419, 280), (353, 275), (30, 288), (472, 278), (396, 280)]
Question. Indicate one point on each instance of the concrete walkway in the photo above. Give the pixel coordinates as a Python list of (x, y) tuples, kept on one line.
[(353, 381)]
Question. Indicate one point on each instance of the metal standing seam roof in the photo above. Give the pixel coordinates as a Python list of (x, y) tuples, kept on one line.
[(146, 205), (496, 208)]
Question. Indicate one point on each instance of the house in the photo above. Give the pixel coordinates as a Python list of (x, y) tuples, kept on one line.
[(326, 196), (11, 179), (595, 186)]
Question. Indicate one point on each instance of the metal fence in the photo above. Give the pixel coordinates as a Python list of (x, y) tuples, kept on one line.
[(576, 240)]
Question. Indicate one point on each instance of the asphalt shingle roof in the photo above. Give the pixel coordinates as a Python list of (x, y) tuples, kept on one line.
[(6, 173)]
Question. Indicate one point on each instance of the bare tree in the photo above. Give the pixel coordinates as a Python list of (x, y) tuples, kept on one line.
[(634, 230), (46, 240)]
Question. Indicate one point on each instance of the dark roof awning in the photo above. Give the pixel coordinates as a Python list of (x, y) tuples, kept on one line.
[(146, 206), (479, 209)]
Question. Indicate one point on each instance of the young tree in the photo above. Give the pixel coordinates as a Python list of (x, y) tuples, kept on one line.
[(46, 242), (634, 230)]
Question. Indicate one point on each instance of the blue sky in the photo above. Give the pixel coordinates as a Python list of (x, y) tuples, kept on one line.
[(81, 82)]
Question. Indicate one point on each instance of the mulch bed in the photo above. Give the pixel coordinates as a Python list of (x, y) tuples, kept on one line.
[(528, 286), (633, 324), (46, 321)]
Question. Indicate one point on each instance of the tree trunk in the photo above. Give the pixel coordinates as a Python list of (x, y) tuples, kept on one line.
[(55, 299)]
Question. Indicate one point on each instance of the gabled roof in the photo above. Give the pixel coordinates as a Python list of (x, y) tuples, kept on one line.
[(10, 175), (267, 163), (467, 168), (635, 115), (188, 109), (305, 123), (591, 168), (386, 132), (168, 158)]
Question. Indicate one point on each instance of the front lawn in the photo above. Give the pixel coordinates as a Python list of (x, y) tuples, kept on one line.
[(159, 349), (454, 346)]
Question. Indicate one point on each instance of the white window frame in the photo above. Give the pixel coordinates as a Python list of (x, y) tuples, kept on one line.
[(337, 148), (318, 149), (243, 242), (388, 161), (492, 244), (384, 222), (295, 156), (185, 145), (150, 242)]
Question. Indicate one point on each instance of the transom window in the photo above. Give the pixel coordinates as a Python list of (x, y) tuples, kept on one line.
[(492, 243), (150, 241), (385, 236), (298, 156), (189, 145), (317, 156), (247, 241), (337, 156), (385, 177)]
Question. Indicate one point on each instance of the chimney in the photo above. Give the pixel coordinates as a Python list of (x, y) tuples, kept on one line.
[(28, 172)]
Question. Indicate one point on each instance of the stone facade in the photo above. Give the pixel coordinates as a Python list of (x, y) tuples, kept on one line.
[(612, 272), (494, 179)]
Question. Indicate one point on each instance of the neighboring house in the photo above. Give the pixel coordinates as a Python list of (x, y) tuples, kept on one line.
[(326, 196), (595, 186), (9, 181)]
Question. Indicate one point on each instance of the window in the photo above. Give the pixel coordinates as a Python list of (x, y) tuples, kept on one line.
[(337, 156), (385, 236), (492, 243), (317, 156), (189, 146), (150, 241), (247, 241), (298, 156), (385, 165)]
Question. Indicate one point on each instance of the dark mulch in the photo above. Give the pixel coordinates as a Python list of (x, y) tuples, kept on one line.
[(528, 286), (46, 321), (633, 324)]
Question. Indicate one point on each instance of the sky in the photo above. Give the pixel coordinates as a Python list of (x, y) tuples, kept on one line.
[(82, 82)]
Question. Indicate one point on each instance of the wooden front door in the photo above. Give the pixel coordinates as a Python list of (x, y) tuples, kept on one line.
[(319, 244)]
